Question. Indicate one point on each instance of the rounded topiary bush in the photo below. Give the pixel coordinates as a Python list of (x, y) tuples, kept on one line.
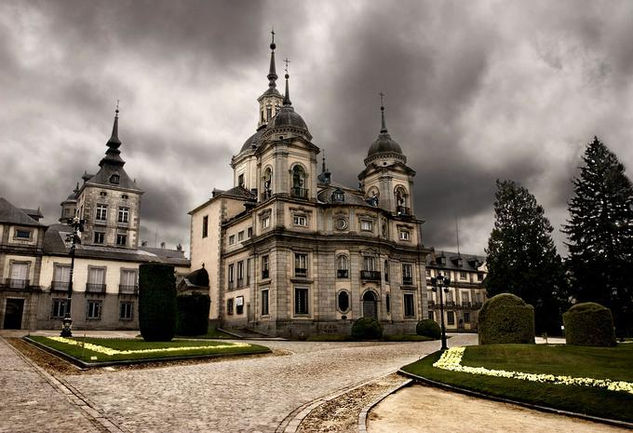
[(366, 328), (428, 328), (506, 318), (193, 314), (157, 302), (589, 324)]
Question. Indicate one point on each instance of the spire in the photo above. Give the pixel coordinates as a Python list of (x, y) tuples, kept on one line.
[(383, 128), (272, 73), (323, 169), (287, 95), (325, 176), (112, 155), (457, 235)]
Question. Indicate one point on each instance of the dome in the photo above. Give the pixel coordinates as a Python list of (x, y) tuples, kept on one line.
[(288, 117), (384, 144), (253, 140)]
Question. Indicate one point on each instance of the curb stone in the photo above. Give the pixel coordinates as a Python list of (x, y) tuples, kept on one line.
[(362, 417)]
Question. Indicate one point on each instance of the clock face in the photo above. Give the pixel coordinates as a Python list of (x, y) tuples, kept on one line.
[(341, 224)]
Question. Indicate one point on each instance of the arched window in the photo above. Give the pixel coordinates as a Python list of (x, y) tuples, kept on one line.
[(342, 301), (298, 182), (267, 181), (401, 201), (342, 266), (373, 197)]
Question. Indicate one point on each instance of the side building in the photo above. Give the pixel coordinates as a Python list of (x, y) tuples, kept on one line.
[(465, 294)]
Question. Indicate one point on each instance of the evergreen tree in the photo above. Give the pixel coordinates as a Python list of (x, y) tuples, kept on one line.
[(522, 258), (600, 231)]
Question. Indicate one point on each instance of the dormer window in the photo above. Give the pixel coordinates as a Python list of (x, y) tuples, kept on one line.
[(338, 196), (115, 179)]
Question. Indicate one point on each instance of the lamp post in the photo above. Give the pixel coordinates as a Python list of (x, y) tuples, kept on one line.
[(440, 283), (77, 226)]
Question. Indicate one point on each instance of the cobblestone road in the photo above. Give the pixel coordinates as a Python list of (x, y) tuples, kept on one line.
[(241, 395)]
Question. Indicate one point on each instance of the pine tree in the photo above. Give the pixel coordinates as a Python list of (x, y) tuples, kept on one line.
[(522, 258), (600, 231)]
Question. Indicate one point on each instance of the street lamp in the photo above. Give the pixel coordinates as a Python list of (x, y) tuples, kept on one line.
[(441, 282), (77, 226)]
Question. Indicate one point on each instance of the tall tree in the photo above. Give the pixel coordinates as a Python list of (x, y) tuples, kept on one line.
[(600, 231), (522, 257)]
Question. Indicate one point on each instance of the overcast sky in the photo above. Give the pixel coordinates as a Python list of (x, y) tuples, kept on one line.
[(475, 91)]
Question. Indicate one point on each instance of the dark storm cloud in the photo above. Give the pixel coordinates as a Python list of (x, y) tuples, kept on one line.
[(475, 91)]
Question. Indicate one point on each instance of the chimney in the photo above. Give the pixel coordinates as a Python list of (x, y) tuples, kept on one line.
[(162, 244), (179, 247), (143, 243)]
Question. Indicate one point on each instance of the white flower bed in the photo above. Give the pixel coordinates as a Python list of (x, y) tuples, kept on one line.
[(452, 358), (110, 352)]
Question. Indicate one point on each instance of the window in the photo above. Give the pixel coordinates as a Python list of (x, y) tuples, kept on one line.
[(366, 226), (249, 233), (409, 309), (342, 267), (480, 277), (60, 308), (338, 196), (301, 265), (239, 305), (94, 310), (124, 196), (431, 315), (240, 236), (102, 212), (405, 235), (388, 303), (369, 263), (386, 264), (240, 180), (61, 277), (124, 214), (240, 274), (249, 263), (22, 234), (466, 316), (115, 179), (232, 240), (205, 226), (265, 302), (231, 275), (266, 222), (265, 273), (103, 193), (125, 310), (121, 240), (229, 306), (463, 275), (450, 317), (19, 273), (301, 301), (343, 301), (300, 220), (128, 284), (99, 237), (96, 280), (269, 113), (407, 274)]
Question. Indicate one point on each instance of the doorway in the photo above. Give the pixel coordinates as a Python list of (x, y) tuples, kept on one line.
[(370, 307), (13, 314)]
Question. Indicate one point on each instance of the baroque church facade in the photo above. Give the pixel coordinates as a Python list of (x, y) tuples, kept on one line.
[(290, 252)]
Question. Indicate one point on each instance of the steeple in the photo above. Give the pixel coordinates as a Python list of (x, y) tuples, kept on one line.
[(325, 176), (383, 128), (271, 100), (272, 73), (113, 153), (287, 94)]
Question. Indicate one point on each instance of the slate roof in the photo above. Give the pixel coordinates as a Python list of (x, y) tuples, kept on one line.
[(10, 214), (238, 192), (197, 278), (36, 214), (325, 195), (469, 262), (103, 178)]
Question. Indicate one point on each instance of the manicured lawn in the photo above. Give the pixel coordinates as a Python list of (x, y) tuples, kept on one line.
[(95, 350), (594, 362)]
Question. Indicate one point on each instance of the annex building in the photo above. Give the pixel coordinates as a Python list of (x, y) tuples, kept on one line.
[(291, 252)]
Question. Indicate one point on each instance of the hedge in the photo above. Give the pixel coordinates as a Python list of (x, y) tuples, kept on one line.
[(193, 314), (366, 328), (589, 324), (428, 328), (157, 302), (506, 318)]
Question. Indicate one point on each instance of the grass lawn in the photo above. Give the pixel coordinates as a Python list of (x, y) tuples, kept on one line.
[(129, 349), (594, 362)]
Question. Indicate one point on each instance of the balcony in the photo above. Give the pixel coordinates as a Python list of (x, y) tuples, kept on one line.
[(16, 283), (477, 305), (127, 289), (265, 274), (407, 281), (301, 193), (431, 304), (95, 287), (466, 304), (401, 210), (301, 272), (370, 275), (450, 303), (60, 286), (342, 273), (240, 282)]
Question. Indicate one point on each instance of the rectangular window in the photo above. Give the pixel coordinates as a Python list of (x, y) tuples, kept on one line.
[(450, 317), (205, 226), (239, 305), (22, 234), (121, 240), (407, 274), (366, 226), (265, 302), (301, 301), (240, 180), (19, 273), (61, 277), (124, 214), (386, 265), (369, 263), (125, 310), (102, 212), (231, 239), (466, 316), (249, 263), (240, 274), (300, 220), (480, 277), (463, 275), (249, 233), (94, 310), (431, 315), (301, 265), (265, 273), (240, 236), (99, 237), (409, 307), (405, 235), (229, 306), (266, 222), (231, 275), (128, 284), (96, 280), (60, 307)]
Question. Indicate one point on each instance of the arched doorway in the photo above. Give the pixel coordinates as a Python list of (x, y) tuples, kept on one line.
[(370, 305)]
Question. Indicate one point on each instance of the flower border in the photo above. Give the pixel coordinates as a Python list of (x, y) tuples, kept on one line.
[(451, 360)]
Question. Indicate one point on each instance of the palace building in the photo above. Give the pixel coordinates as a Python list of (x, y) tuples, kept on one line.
[(290, 252)]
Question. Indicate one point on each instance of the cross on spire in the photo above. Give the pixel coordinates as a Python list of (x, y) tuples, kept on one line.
[(383, 128), (286, 60), (382, 95)]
